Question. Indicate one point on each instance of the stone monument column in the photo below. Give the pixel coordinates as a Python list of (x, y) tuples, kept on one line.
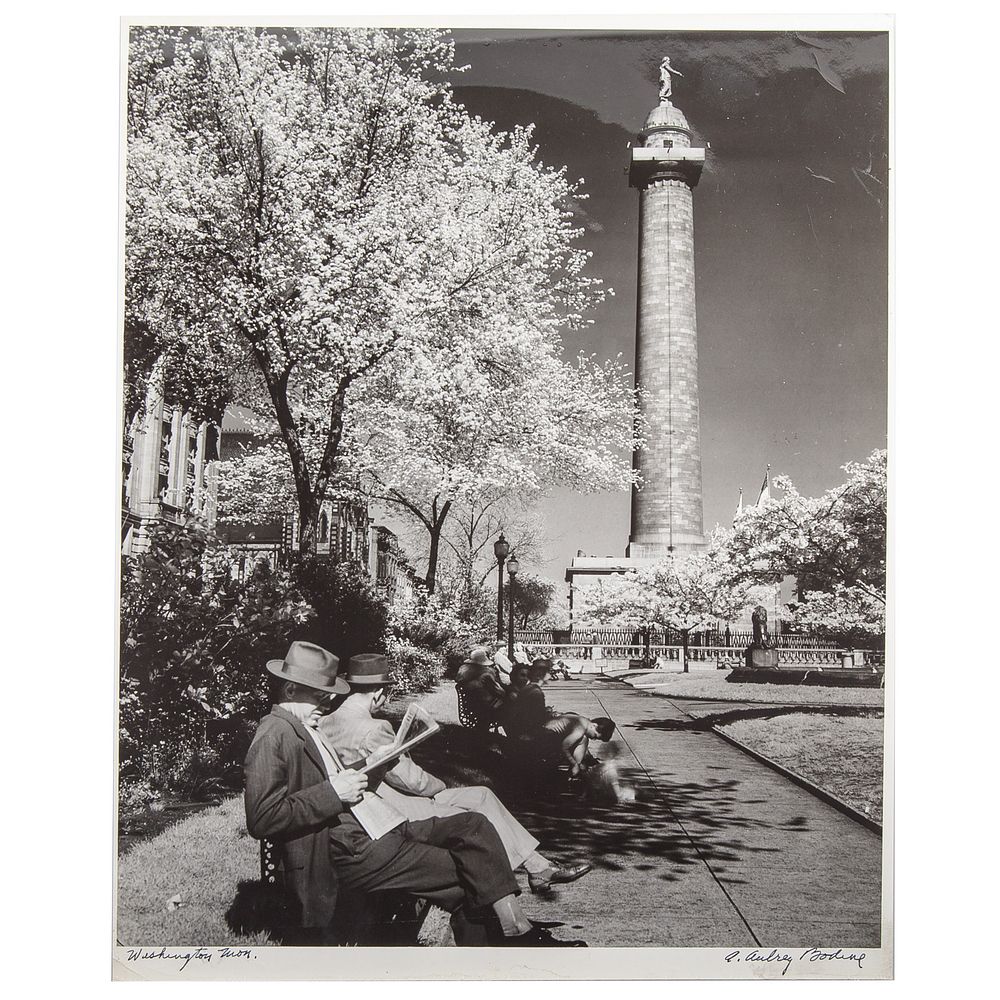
[(667, 510)]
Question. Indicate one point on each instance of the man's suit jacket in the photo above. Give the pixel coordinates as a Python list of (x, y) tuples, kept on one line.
[(289, 799), (525, 712)]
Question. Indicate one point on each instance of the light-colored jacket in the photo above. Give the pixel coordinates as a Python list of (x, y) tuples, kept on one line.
[(355, 733)]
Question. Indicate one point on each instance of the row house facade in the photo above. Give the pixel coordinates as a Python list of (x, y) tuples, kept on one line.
[(343, 530), (168, 471), (389, 568), (169, 474)]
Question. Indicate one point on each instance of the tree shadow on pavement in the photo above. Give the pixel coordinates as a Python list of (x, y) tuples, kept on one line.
[(673, 824), (703, 723)]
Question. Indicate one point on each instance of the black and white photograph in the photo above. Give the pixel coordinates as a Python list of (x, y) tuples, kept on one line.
[(505, 446)]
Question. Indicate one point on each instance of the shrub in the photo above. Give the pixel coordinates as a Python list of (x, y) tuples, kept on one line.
[(413, 669), (135, 794), (351, 617), (193, 646), (435, 624)]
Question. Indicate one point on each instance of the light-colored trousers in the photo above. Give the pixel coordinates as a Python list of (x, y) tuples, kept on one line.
[(519, 844)]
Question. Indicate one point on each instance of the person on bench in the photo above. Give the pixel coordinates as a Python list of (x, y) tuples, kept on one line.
[(297, 797), (479, 678), (527, 717), (354, 732)]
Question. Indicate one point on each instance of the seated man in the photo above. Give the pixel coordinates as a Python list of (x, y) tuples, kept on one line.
[(296, 796), (521, 654), (527, 717), (355, 734), (479, 678)]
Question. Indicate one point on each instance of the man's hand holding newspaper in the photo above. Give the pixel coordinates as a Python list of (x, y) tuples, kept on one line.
[(375, 815), (349, 785)]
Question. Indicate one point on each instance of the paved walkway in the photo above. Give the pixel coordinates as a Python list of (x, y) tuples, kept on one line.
[(719, 850)]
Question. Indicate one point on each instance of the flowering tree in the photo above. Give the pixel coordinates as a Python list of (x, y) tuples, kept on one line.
[(533, 596), (503, 417), (855, 613), (316, 210), (680, 593), (833, 544)]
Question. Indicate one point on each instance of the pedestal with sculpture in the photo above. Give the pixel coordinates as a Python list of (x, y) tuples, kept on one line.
[(762, 653)]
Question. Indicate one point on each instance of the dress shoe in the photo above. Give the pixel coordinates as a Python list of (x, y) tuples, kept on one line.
[(538, 937), (556, 876)]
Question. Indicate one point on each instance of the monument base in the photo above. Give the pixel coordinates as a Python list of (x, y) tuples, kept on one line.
[(656, 548)]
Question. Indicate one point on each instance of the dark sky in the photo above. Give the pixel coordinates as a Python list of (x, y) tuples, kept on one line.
[(790, 235)]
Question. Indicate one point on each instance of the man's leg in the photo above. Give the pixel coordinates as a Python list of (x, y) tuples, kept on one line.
[(433, 856), (572, 736), (485, 872), (579, 751), (476, 850), (518, 843), (430, 858), (394, 863)]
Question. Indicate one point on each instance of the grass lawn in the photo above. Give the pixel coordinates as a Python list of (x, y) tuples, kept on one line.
[(203, 859), (840, 754), (441, 703), (713, 684)]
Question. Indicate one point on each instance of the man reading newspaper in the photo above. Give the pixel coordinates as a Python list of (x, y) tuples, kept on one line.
[(356, 735), (297, 796)]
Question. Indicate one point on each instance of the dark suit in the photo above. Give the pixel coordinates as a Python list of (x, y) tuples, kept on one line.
[(289, 799), (525, 712)]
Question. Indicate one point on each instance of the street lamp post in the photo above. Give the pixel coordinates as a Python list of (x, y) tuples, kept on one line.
[(512, 567), (501, 549)]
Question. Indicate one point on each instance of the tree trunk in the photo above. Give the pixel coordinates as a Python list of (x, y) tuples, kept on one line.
[(308, 525), (307, 496), (434, 530), (685, 632), (432, 557)]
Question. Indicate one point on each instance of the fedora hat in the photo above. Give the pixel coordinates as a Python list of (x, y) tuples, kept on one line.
[(311, 666), (480, 656), (368, 670)]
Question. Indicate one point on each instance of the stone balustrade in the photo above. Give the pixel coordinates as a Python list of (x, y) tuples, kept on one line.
[(662, 656)]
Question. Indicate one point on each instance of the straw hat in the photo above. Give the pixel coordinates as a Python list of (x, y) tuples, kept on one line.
[(479, 657)]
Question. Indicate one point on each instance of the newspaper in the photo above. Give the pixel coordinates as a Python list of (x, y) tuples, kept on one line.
[(376, 816), (416, 727)]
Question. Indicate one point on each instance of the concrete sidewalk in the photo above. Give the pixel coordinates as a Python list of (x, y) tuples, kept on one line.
[(718, 851)]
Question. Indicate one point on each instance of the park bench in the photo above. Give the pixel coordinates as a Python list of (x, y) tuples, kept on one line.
[(469, 718), (386, 918), (520, 752)]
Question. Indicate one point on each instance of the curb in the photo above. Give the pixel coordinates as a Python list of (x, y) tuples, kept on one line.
[(820, 793), (849, 811)]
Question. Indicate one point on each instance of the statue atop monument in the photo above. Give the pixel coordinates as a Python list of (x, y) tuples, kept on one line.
[(666, 85)]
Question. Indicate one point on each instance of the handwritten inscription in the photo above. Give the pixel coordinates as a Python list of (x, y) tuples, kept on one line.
[(186, 956), (786, 959)]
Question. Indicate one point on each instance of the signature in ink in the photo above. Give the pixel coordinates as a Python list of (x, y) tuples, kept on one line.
[(786, 958)]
